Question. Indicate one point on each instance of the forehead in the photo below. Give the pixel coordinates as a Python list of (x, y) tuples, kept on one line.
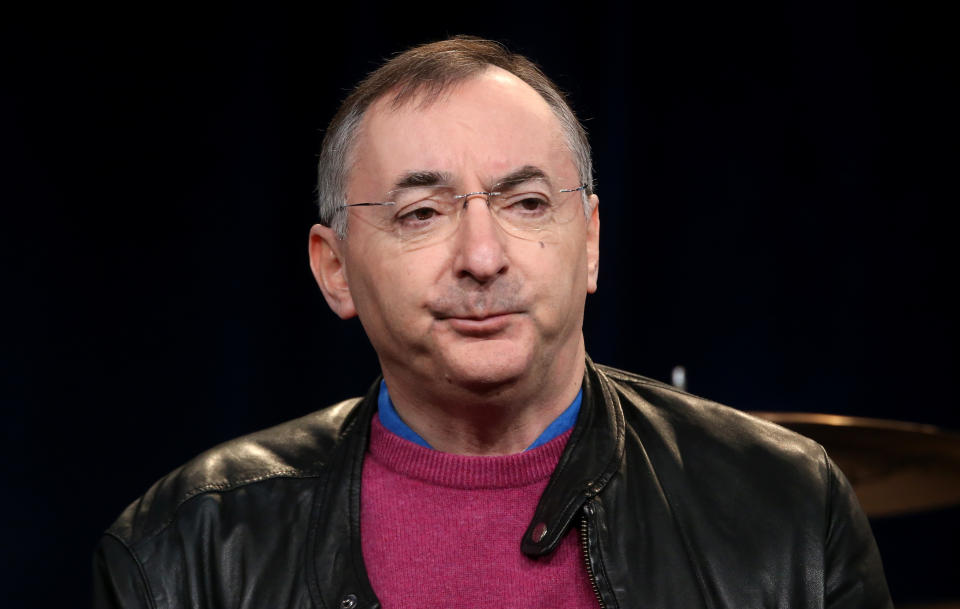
[(481, 128)]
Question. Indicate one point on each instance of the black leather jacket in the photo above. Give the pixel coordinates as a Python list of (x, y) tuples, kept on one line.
[(680, 503)]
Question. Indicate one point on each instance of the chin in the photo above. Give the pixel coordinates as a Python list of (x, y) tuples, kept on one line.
[(487, 365)]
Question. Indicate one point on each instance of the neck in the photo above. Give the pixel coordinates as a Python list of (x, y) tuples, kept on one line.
[(499, 420)]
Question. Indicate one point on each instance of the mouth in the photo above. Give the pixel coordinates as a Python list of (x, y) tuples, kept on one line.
[(478, 325)]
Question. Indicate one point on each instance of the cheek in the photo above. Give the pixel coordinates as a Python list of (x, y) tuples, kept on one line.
[(558, 271), (567, 259), (572, 273), (390, 293)]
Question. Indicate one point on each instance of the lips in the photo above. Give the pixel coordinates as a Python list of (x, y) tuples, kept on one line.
[(478, 325)]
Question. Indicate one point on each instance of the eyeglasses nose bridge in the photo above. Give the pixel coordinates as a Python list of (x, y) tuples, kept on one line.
[(471, 195), (487, 197)]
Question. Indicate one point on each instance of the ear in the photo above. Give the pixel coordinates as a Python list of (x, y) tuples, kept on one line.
[(327, 263), (593, 245)]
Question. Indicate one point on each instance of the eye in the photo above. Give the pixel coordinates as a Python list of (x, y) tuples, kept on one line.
[(422, 213), (528, 205), (531, 204), (417, 216)]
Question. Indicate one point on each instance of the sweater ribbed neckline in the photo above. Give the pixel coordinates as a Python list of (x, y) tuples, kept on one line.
[(463, 471)]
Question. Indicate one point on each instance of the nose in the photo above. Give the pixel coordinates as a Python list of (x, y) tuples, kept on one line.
[(480, 243)]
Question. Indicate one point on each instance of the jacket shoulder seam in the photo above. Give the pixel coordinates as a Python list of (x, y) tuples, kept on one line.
[(298, 449), (230, 485), (218, 487)]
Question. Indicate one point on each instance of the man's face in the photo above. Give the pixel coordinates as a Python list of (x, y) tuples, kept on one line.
[(480, 308)]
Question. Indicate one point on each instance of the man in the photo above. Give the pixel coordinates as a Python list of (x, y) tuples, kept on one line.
[(494, 464)]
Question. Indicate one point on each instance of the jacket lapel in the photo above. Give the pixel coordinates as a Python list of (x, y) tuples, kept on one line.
[(337, 576), (592, 455)]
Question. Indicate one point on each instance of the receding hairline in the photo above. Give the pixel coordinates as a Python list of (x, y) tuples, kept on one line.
[(424, 94)]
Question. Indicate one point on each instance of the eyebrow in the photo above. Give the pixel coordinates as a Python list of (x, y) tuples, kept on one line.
[(413, 179), (427, 178), (527, 172)]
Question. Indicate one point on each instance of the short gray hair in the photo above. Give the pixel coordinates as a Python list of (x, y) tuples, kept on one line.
[(431, 69)]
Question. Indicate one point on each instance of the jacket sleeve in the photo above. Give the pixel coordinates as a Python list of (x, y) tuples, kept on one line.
[(118, 581), (853, 577)]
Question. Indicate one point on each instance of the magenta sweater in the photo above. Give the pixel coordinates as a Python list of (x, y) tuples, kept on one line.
[(444, 530)]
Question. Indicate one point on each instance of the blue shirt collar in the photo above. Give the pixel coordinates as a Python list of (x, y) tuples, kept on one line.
[(394, 424)]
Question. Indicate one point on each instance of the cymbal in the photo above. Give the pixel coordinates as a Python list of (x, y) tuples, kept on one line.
[(895, 467)]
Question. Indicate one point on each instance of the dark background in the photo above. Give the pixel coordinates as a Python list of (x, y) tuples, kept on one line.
[(775, 217)]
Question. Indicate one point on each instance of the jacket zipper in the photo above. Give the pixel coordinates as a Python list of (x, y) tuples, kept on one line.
[(585, 546)]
